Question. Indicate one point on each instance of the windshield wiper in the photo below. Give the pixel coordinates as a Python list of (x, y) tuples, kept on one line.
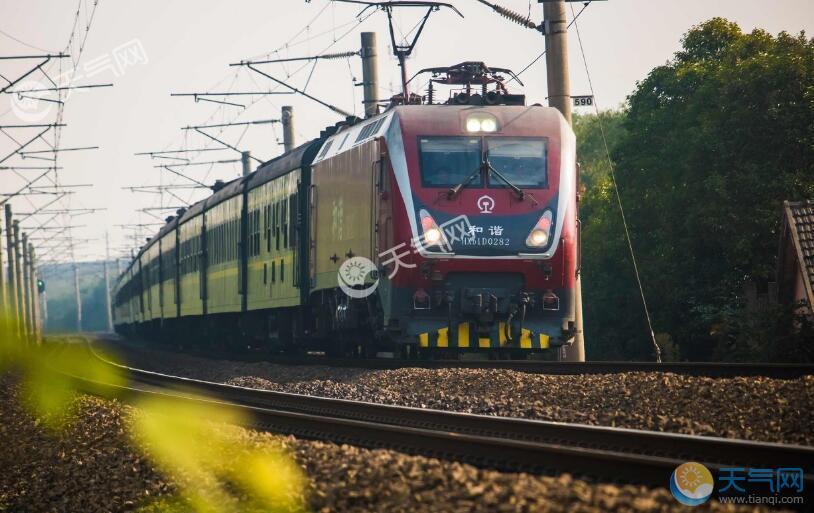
[(517, 190), (453, 191)]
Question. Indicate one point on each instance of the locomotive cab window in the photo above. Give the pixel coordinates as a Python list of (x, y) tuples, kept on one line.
[(447, 161), (522, 161)]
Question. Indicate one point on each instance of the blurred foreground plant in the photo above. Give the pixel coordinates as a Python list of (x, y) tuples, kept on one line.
[(47, 372), (196, 444), (212, 461)]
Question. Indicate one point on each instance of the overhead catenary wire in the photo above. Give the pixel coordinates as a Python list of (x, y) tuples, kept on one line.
[(24, 43), (611, 167), (228, 118)]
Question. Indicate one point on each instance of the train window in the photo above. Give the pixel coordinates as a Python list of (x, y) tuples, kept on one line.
[(254, 232), (292, 220), (448, 161), (284, 208), (521, 160), (325, 149), (267, 219), (277, 226)]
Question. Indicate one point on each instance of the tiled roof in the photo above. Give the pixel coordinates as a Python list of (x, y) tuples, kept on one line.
[(801, 221)]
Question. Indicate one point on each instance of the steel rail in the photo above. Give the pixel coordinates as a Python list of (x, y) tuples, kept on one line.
[(706, 369), (507, 444)]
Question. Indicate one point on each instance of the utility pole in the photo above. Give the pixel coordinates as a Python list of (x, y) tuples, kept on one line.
[(36, 321), (18, 281), (108, 310), (44, 308), (559, 97), (3, 301), (556, 45), (77, 294), (12, 280), (26, 288), (244, 159), (288, 128), (370, 74)]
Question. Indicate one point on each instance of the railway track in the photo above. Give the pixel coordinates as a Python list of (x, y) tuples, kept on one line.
[(507, 444), (707, 369)]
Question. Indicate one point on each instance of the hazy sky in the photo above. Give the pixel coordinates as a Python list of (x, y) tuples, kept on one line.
[(149, 49)]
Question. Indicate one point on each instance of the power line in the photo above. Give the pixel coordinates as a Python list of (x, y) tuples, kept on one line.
[(618, 196), (23, 42)]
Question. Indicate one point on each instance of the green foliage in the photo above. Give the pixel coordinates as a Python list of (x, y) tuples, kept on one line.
[(589, 129), (710, 146)]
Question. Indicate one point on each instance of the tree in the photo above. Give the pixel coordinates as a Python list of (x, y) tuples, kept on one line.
[(711, 144)]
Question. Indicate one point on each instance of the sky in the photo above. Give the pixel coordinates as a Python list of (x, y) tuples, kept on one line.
[(152, 48)]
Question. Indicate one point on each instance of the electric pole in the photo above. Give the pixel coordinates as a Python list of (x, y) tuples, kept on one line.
[(77, 295), (108, 310), (556, 46), (244, 159), (3, 302), (18, 281), (26, 288), (559, 97), (44, 308), (370, 74), (36, 321), (288, 128), (13, 309)]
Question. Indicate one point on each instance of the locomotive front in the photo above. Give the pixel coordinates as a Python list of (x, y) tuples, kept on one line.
[(486, 197)]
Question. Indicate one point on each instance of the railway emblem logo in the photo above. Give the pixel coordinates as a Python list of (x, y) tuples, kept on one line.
[(691, 484), (353, 277), (486, 204)]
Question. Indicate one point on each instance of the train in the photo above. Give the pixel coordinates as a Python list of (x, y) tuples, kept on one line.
[(430, 228)]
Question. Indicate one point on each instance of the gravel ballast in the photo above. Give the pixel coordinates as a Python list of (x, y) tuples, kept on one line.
[(750, 408), (93, 467)]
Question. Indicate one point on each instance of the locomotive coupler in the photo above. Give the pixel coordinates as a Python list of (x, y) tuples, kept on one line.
[(524, 302)]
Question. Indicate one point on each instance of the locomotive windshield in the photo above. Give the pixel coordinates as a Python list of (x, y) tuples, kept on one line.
[(521, 160), (449, 161)]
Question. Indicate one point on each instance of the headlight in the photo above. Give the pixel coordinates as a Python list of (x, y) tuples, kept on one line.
[(538, 237), (432, 234), (488, 125), (481, 122), (540, 234)]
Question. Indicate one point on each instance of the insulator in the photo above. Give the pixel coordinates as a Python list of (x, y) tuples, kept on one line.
[(340, 55), (513, 16)]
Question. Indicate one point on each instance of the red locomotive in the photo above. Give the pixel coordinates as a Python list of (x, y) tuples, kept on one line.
[(429, 228)]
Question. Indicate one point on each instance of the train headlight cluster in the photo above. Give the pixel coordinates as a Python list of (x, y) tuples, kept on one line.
[(432, 234), (541, 233), (538, 237), (481, 122)]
